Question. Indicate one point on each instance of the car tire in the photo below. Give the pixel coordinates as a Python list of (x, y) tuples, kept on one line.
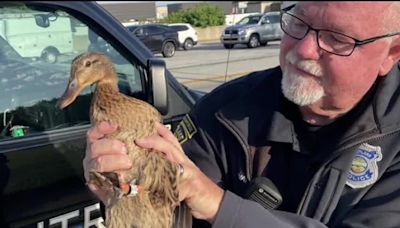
[(228, 46), (254, 41), (168, 49), (188, 44), (50, 55)]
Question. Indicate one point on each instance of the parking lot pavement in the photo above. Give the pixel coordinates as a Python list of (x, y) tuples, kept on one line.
[(209, 64)]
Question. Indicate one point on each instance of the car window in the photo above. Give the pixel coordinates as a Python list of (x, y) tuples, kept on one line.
[(179, 27), (132, 28), (274, 19), (154, 30), (36, 50), (139, 31), (249, 20)]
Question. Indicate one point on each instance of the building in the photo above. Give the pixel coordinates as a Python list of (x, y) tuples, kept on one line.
[(162, 12), (227, 6), (256, 6), (131, 11)]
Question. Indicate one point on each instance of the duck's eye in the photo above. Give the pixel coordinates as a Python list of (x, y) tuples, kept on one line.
[(88, 63)]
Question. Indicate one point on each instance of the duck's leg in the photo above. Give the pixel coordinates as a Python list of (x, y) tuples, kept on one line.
[(108, 181)]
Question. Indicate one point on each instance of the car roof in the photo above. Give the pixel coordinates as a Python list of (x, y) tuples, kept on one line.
[(272, 13), (179, 24), (146, 25)]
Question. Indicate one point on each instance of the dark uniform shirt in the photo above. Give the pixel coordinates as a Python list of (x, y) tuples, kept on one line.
[(300, 166)]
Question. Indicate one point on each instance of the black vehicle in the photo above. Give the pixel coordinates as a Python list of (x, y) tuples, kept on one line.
[(41, 147), (158, 38)]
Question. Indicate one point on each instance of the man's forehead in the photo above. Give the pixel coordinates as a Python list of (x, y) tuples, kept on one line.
[(346, 17)]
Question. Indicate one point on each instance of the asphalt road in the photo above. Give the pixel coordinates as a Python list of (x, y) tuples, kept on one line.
[(208, 65)]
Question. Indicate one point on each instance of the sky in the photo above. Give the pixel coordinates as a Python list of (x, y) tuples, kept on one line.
[(158, 3)]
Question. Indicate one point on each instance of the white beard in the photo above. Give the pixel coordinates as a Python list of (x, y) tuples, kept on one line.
[(302, 90)]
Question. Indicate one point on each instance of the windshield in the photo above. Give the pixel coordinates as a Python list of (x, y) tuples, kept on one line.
[(250, 20)]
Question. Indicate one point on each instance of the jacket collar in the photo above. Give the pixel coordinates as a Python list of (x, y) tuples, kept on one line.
[(260, 115)]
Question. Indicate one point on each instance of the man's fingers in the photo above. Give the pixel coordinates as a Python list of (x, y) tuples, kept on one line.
[(162, 145), (167, 134), (106, 146), (100, 130), (109, 163)]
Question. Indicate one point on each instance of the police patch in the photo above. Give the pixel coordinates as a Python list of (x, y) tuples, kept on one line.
[(185, 129), (364, 170)]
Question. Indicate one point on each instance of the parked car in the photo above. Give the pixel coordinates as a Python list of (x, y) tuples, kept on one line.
[(158, 38), (41, 147), (186, 33), (253, 30)]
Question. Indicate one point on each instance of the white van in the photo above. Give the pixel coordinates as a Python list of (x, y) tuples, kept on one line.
[(30, 40)]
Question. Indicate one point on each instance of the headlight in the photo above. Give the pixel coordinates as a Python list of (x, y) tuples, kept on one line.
[(242, 32)]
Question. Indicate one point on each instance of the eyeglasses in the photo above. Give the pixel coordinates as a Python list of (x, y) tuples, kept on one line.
[(329, 41)]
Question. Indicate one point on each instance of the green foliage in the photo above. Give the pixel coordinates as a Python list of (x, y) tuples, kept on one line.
[(202, 15)]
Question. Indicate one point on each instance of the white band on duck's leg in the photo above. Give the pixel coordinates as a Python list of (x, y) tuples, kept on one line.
[(134, 190)]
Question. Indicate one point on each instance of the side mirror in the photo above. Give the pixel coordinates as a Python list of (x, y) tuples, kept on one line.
[(158, 85), (42, 20)]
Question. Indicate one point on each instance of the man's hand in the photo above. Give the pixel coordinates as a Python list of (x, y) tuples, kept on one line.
[(104, 155), (200, 193)]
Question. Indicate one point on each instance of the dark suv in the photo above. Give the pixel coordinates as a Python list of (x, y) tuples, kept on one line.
[(158, 38), (41, 147)]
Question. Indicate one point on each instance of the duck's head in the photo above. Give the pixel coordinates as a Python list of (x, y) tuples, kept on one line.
[(86, 69)]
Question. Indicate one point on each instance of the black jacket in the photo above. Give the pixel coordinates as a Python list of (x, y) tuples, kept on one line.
[(243, 129)]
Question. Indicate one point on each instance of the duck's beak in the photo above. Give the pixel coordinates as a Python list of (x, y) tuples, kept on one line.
[(69, 95)]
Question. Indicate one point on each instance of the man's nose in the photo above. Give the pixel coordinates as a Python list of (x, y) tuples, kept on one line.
[(307, 48)]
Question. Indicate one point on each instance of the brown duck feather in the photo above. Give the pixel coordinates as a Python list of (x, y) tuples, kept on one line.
[(158, 178)]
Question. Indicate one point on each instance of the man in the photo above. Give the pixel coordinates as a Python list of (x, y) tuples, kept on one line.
[(324, 127)]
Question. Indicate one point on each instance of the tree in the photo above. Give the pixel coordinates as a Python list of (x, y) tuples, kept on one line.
[(202, 15)]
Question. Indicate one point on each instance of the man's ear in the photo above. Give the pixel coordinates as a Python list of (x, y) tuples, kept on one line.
[(392, 58)]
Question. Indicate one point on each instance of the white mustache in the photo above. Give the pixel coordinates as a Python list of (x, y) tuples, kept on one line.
[(309, 66)]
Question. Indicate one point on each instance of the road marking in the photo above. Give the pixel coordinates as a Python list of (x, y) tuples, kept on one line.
[(229, 76)]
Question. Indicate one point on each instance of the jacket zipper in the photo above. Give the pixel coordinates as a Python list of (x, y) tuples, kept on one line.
[(241, 141)]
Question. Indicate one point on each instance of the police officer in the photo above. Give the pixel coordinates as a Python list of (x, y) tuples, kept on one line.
[(324, 127)]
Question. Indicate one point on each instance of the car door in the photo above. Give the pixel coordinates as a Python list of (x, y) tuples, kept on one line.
[(41, 147), (141, 34), (148, 38), (157, 37), (267, 28), (276, 26)]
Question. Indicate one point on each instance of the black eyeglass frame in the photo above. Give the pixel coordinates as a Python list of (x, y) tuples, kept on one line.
[(357, 42)]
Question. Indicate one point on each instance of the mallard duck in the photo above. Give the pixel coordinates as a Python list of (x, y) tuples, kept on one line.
[(149, 195)]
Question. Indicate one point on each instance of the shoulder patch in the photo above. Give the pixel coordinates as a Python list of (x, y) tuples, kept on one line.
[(364, 168), (185, 129)]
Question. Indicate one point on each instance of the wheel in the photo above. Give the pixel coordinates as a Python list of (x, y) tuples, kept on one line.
[(188, 44), (50, 55), (168, 49), (228, 46), (253, 41)]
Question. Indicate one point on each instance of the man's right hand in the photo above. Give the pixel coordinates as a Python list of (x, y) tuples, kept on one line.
[(104, 155)]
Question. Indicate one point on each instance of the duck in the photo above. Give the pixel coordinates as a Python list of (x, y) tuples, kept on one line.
[(149, 194)]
